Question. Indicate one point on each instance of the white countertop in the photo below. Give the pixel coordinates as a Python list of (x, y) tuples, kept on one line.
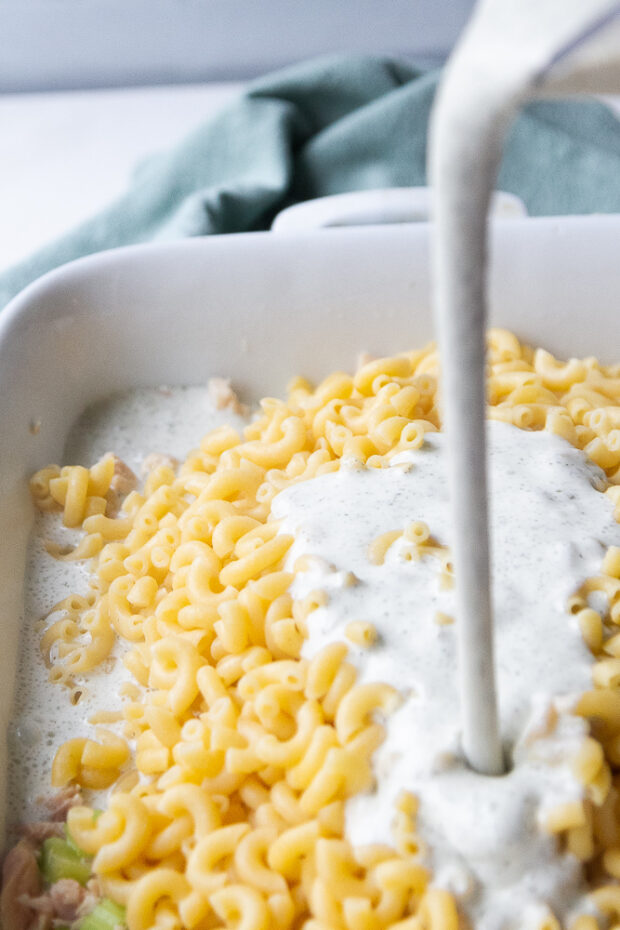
[(64, 156)]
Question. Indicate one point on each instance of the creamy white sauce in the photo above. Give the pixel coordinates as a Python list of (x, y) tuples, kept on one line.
[(549, 529), (133, 425)]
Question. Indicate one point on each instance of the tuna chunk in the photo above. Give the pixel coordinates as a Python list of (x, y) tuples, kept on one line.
[(222, 396), (92, 894), (156, 460), (20, 881), (123, 481), (67, 896), (40, 830), (60, 803)]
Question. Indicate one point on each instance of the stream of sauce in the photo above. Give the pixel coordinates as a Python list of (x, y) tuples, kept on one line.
[(511, 50)]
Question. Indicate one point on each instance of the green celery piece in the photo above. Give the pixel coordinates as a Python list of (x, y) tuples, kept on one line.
[(59, 860), (73, 845), (105, 916)]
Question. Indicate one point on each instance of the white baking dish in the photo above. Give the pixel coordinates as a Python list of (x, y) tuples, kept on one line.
[(260, 308)]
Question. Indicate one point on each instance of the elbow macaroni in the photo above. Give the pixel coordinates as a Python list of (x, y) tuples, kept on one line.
[(246, 751)]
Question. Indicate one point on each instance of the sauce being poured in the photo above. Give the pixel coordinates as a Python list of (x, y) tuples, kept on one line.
[(484, 837), (512, 50)]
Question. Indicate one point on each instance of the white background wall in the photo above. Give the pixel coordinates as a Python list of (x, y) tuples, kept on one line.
[(65, 155), (55, 44)]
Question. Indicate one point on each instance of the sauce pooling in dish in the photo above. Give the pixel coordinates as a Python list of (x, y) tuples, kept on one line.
[(136, 425), (483, 837)]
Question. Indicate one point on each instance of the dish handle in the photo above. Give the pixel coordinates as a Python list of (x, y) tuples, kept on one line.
[(377, 207)]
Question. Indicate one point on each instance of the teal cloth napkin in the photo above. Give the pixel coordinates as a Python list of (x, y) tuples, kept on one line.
[(337, 124)]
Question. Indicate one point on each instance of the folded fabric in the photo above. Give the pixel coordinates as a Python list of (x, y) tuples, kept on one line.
[(338, 124)]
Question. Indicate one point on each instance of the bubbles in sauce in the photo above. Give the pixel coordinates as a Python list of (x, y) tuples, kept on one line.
[(133, 425)]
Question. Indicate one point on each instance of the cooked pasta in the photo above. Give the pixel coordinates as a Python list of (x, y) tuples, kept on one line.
[(243, 753)]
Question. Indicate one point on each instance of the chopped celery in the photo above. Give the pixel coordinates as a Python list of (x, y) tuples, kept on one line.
[(60, 860), (73, 845), (105, 916)]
